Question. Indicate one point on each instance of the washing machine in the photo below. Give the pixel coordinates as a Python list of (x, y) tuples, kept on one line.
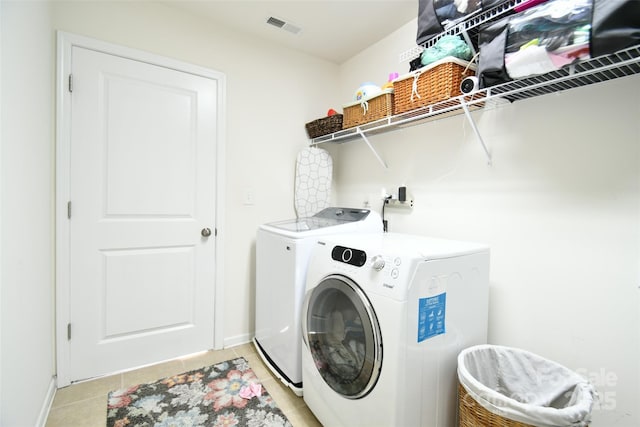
[(282, 254), (383, 321)]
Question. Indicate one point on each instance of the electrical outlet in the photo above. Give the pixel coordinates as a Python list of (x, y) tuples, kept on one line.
[(395, 203)]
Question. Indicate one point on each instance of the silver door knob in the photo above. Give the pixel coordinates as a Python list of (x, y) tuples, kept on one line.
[(206, 232)]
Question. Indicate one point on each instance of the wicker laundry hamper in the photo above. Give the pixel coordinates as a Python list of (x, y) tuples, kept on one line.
[(507, 387), (473, 415)]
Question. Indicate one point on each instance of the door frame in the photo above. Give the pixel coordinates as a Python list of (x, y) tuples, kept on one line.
[(65, 43)]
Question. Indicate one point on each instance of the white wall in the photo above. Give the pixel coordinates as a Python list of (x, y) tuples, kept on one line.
[(560, 208), (271, 93), (26, 218)]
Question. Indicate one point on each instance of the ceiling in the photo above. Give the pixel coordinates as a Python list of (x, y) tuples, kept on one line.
[(335, 30)]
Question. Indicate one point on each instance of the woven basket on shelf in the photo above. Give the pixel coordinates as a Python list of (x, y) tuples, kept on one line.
[(431, 84), (368, 110), (324, 126)]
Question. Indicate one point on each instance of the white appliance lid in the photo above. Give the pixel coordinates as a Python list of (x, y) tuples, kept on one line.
[(328, 217)]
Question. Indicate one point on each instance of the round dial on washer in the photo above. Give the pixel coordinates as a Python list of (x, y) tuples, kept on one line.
[(377, 263)]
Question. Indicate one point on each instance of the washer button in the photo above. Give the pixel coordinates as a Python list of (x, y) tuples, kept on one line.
[(395, 273)]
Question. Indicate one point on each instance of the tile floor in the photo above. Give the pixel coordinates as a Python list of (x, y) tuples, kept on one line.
[(85, 404)]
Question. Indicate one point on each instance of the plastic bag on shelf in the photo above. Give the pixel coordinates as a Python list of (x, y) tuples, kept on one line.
[(446, 46), (548, 37), (553, 34), (537, 41)]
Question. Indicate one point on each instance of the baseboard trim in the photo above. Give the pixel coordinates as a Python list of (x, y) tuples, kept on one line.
[(237, 340), (48, 401)]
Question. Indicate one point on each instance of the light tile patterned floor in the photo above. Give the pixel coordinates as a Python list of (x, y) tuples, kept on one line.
[(85, 404)]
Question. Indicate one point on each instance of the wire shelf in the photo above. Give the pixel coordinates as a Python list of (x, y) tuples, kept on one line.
[(596, 70)]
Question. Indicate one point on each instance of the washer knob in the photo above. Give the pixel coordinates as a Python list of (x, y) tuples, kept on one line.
[(377, 263)]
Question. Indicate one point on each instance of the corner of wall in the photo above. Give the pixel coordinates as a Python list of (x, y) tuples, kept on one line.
[(1, 202), (46, 404), (26, 39)]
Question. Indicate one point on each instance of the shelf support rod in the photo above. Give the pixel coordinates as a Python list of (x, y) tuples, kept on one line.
[(373, 150), (472, 122)]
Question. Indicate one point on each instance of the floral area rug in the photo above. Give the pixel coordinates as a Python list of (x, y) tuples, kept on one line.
[(225, 394)]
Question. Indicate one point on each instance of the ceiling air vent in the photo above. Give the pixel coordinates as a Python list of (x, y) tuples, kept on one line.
[(287, 26), (275, 22)]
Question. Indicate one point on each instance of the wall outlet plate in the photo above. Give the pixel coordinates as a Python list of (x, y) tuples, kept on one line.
[(395, 203)]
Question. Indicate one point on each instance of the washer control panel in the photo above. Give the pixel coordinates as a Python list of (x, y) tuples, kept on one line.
[(390, 266), (384, 273)]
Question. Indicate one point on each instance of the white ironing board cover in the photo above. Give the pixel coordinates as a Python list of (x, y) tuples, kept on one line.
[(314, 168)]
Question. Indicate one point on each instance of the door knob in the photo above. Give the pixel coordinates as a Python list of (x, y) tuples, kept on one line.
[(206, 232)]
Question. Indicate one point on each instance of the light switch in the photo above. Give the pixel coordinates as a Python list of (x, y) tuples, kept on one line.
[(249, 199)]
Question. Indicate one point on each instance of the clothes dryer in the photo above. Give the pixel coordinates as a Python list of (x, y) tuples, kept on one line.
[(282, 254), (384, 319)]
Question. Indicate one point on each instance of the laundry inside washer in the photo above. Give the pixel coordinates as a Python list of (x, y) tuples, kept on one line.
[(338, 332)]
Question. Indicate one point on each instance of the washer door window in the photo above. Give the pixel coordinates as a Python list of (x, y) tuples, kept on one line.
[(343, 336)]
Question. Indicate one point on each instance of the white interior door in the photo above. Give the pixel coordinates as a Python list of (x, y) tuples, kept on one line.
[(142, 184)]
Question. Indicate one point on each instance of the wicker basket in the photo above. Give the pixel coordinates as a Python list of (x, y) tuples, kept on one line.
[(431, 84), (324, 126), (472, 414), (368, 110)]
